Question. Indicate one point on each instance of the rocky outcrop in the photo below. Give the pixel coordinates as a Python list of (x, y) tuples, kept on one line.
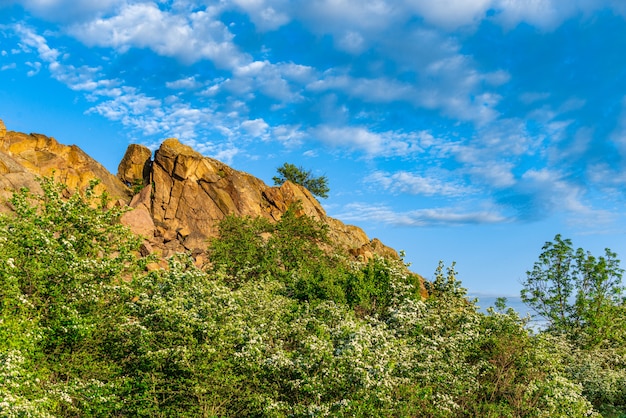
[(192, 193), (25, 157), (180, 195), (134, 169)]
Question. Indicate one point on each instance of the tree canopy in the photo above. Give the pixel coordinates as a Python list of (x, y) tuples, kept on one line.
[(298, 175), (577, 293)]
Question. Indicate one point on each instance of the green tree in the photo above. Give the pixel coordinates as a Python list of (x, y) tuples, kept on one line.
[(289, 172), (580, 295)]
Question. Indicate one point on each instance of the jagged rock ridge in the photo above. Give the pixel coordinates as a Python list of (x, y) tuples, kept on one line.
[(187, 194), (25, 157), (183, 195)]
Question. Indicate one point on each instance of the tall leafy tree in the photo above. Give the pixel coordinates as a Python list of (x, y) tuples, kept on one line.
[(580, 295), (316, 185)]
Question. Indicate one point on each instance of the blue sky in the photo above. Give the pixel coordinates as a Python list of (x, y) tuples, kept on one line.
[(458, 130)]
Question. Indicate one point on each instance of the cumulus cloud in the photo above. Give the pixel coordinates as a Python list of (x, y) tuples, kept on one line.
[(35, 68), (280, 81), (338, 15), (371, 90), (545, 14), (30, 39), (188, 37), (80, 78), (266, 14), (406, 57), (256, 127), (541, 192)]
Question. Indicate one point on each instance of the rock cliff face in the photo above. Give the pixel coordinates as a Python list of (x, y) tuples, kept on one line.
[(24, 157), (187, 194), (180, 195)]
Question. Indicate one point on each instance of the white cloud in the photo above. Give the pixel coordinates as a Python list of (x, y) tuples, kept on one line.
[(190, 38), (188, 83), (339, 15), (30, 39), (374, 144), (437, 183), (289, 135), (226, 155), (266, 14), (450, 13), (351, 137), (540, 192), (36, 67), (545, 14), (352, 42), (82, 78), (371, 90), (256, 127), (366, 212), (496, 174), (280, 81)]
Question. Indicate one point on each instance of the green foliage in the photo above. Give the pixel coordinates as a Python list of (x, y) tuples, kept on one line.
[(602, 374), (373, 287), (241, 251), (176, 348), (578, 294), (581, 298), (292, 251), (280, 326), (298, 175), (137, 186), (61, 265), (464, 363)]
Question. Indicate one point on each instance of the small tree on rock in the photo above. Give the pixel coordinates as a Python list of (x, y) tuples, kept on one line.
[(298, 175)]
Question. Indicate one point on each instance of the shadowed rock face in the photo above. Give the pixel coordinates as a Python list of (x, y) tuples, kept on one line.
[(184, 194), (134, 169)]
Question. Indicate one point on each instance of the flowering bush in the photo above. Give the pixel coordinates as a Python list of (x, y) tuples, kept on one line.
[(86, 331)]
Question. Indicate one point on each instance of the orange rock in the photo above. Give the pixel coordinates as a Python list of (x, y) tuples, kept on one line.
[(185, 196)]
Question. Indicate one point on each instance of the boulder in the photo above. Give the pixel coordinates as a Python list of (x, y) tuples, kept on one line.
[(139, 217), (134, 169)]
